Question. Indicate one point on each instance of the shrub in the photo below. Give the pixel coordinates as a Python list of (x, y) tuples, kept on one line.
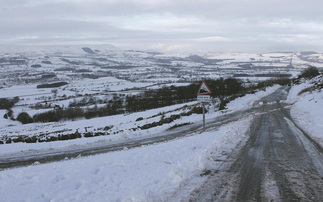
[(24, 118), (88, 134), (309, 89), (32, 139), (198, 110), (223, 103), (6, 103), (9, 114), (99, 134), (75, 135), (107, 127), (52, 85), (18, 139), (309, 73), (63, 137), (140, 119), (53, 138)]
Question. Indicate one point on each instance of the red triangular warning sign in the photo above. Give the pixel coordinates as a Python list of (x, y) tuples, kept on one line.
[(204, 89)]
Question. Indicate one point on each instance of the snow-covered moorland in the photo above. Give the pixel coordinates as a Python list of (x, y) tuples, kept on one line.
[(165, 171)]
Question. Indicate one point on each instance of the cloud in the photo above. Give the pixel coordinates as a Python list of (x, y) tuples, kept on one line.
[(178, 24), (213, 38)]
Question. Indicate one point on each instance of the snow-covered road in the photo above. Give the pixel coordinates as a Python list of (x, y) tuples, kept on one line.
[(278, 163)]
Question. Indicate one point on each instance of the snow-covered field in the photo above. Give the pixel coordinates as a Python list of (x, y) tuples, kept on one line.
[(121, 128), (307, 109), (70, 63)]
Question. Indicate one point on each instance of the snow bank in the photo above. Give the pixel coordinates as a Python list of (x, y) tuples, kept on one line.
[(150, 173), (307, 110)]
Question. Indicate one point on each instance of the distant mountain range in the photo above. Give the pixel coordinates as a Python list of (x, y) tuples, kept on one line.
[(65, 49)]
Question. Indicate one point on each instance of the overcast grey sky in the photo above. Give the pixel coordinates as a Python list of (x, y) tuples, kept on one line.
[(166, 25)]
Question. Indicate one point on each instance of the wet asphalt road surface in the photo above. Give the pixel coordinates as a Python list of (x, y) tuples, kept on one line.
[(278, 163)]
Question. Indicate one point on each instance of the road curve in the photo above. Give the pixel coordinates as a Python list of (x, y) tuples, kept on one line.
[(278, 163)]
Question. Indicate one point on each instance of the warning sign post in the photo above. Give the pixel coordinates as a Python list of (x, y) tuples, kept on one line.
[(204, 89), (203, 96)]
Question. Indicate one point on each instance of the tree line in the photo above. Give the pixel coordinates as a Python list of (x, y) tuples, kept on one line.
[(149, 99), (225, 89)]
